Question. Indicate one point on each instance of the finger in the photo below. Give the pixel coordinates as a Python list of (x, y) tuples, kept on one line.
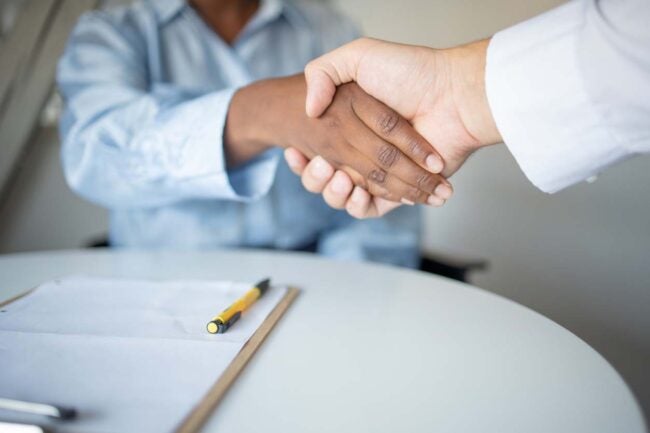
[(381, 207), (295, 160), (389, 125), (382, 163), (364, 173), (436, 201), (338, 190), (371, 187), (393, 161), (379, 183), (316, 175), (362, 205), (359, 203), (328, 71), (444, 191)]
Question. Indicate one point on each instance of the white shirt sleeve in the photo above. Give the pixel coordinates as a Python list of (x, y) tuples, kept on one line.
[(570, 89)]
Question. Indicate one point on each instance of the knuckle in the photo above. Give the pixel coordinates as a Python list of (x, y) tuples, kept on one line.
[(387, 121), (424, 181), (377, 176), (332, 122), (413, 194), (416, 148), (387, 155), (420, 196)]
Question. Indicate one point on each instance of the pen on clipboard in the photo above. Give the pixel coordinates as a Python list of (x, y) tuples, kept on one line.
[(224, 320), (38, 408)]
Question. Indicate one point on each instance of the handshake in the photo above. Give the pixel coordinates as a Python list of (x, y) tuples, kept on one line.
[(384, 124)]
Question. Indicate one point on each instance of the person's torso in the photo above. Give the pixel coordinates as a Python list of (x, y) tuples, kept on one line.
[(183, 53)]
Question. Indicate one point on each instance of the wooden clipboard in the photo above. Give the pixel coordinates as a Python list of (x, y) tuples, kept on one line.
[(17, 297), (200, 414)]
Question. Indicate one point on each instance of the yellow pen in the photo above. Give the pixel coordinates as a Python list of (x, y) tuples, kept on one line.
[(224, 320)]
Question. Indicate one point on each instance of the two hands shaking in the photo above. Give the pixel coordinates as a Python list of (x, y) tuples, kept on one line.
[(384, 124)]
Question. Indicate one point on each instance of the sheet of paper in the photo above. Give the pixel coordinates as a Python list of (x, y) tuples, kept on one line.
[(129, 355)]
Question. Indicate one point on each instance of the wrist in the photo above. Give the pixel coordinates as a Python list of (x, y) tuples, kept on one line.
[(259, 116), (245, 134), (467, 77)]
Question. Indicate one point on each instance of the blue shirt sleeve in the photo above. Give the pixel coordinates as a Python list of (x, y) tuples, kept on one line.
[(129, 144)]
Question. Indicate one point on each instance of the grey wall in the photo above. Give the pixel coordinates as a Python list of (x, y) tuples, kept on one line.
[(40, 211), (581, 257)]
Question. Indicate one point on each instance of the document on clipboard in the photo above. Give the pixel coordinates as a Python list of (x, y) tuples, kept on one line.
[(129, 355)]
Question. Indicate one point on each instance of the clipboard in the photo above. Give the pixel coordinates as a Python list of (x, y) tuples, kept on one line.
[(199, 414)]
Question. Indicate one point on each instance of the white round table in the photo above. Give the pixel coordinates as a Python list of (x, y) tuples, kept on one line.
[(369, 348)]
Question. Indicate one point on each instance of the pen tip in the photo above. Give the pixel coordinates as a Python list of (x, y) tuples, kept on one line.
[(263, 285)]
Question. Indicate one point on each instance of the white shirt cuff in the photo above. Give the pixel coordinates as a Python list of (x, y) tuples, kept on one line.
[(539, 102)]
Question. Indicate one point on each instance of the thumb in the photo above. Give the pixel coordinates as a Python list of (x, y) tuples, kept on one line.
[(330, 70), (320, 90), (384, 206)]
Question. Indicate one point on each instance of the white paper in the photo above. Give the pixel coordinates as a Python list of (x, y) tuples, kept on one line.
[(129, 355)]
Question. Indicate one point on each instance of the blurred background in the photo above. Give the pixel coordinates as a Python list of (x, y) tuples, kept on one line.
[(580, 257)]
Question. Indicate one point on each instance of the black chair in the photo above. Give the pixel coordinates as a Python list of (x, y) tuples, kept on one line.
[(451, 267)]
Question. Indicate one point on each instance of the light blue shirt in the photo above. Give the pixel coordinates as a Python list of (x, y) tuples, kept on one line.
[(146, 90)]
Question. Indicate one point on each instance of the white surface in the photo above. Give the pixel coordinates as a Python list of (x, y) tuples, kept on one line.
[(371, 348), (128, 355)]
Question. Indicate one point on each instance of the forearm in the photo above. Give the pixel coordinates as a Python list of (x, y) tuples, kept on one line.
[(146, 152)]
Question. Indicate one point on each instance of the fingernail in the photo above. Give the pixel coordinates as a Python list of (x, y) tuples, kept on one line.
[(320, 168), (443, 191), (435, 201), (339, 185), (434, 163), (357, 192), (406, 201)]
